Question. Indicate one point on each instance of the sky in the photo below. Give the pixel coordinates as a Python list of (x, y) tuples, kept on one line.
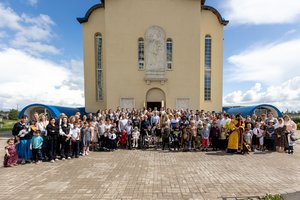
[(41, 54)]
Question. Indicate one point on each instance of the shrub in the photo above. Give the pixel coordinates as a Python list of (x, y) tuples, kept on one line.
[(296, 119), (272, 197), (298, 126)]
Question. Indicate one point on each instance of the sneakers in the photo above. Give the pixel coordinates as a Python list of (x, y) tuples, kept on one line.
[(23, 162), (63, 159), (56, 159), (69, 158), (52, 161), (38, 162)]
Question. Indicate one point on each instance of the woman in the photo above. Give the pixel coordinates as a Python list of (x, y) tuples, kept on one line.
[(52, 133), (42, 124), (65, 137), (95, 138), (280, 139), (291, 128)]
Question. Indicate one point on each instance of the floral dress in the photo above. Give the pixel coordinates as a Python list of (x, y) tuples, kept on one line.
[(13, 156)]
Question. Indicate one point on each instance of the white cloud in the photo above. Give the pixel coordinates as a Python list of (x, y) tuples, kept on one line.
[(262, 11), (32, 2), (270, 63), (25, 79), (9, 19), (33, 33), (284, 96), (33, 47)]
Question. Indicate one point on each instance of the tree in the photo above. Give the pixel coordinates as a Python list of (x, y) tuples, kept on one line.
[(13, 114)]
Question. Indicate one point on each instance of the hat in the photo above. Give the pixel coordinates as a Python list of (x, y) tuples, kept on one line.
[(271, 121)]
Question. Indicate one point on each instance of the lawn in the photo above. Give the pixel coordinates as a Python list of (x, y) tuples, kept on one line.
[(7, 125)]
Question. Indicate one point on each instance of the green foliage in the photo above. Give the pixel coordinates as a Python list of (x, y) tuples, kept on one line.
[(298, 126), (296, 119), (272, 197), (13, 114)]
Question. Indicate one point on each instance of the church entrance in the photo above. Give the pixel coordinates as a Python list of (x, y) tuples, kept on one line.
[(155, 98), (154, 105)]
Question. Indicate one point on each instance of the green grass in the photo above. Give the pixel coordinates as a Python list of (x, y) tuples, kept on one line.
[(7, 125), (272, 197)]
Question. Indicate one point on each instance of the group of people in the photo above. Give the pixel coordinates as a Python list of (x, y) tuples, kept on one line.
[(66, 137)]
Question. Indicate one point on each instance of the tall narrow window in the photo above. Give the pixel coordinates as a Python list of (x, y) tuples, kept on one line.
[(141, 53), (99, 66), (207, 69), (169, 46)]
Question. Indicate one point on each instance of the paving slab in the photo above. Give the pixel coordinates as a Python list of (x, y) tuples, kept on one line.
[(150, 174)]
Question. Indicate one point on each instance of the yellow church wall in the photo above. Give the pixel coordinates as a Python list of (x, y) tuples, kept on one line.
[(179, 19), (122, 22), (96, 24), (212, 27)]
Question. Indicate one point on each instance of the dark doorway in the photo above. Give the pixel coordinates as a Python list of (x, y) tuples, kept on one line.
[(153, 105)]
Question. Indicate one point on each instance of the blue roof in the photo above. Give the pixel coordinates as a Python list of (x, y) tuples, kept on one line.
[(55, 110), (249, 110)]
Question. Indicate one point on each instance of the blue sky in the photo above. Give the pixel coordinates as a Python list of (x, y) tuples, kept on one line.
[(41, 56)]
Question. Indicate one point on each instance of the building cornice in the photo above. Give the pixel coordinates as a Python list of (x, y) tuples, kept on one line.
[(216, 12), (89, 12)]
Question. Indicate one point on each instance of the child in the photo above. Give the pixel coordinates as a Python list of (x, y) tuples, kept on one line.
[(258, 139), (86, 133), (176, 135), (247, 136), (106, 139), (11, 155), (128, 129), (75, 135), (199, 134), (291, 142), (135, 137), (113, 137), (36, 146), (257, 133), (270, 136), (205, 136)]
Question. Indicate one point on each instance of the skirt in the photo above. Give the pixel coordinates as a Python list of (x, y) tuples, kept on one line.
[(23, 149)]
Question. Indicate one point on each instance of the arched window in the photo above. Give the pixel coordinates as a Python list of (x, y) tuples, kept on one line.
[(141, 53), (169, 46), (207, 69), (99, 66)]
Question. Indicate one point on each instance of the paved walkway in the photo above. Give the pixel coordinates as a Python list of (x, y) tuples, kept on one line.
[(154, 175)]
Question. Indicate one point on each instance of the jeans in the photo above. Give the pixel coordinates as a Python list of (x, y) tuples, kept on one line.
[(37, 154)]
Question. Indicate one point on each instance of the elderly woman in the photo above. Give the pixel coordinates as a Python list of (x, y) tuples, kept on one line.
[(280, 139), (291, 128)]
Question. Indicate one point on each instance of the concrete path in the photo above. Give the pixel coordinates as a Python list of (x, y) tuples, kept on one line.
[(151, 174)]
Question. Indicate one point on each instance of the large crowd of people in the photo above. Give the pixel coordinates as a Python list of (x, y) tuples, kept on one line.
[(67, 137)]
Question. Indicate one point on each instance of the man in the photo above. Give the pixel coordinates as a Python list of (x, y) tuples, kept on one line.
[(155, 118), (144, 126), (22, 130), (122, 122)]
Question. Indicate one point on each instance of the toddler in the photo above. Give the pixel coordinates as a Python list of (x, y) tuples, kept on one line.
[(11, 155)]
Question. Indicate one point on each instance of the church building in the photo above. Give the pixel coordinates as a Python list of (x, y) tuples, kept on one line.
[(153, 53)]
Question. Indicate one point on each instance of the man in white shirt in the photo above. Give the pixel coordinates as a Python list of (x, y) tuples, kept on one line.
[(122, 122)]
